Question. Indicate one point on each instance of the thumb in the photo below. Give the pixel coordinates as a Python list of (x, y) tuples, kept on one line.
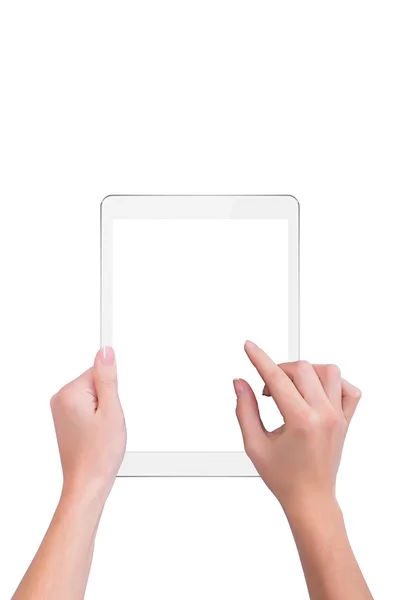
[(105, 377), (248, 415)]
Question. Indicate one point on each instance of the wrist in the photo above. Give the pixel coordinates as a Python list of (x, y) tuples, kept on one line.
[(87, 498), (78, 516), (316, 510), (317, 526)]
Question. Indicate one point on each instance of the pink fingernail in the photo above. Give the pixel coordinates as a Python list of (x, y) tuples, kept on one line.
[(107, 355), (250, 344), (238, 385)]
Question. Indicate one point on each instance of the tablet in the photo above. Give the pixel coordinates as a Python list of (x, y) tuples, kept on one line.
[(185, 280)]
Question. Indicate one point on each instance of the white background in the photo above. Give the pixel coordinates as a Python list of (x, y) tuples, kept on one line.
[(179, 319), (198, 97)]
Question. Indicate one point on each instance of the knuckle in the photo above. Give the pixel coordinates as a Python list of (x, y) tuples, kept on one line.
[(307, 421), (54, 401), (302, 366), (63, 397), (311, 421), (331, 420), (107, 382), (333, 371), (59, 402)]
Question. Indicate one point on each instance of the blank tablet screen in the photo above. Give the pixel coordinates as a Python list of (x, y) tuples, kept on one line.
[(187, 293)]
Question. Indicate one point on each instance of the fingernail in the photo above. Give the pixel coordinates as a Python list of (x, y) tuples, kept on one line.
[(107, 355), (250, 344), (238, 385)]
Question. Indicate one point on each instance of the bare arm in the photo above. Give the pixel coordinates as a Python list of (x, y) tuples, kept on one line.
[(329, 565), (91, 437), (61, 566), (299, 463)]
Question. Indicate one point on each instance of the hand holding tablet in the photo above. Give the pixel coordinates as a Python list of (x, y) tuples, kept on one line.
[(90, 429)]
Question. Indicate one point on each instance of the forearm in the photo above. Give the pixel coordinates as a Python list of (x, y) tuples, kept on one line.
[(61, 566), (329, 565)]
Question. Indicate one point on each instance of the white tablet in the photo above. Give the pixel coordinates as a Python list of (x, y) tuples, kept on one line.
[(185, 280)]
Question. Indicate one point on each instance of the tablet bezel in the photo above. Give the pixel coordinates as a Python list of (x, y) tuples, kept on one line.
[(196, 464)]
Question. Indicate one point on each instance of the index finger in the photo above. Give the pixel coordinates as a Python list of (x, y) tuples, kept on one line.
[(284, 392)]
